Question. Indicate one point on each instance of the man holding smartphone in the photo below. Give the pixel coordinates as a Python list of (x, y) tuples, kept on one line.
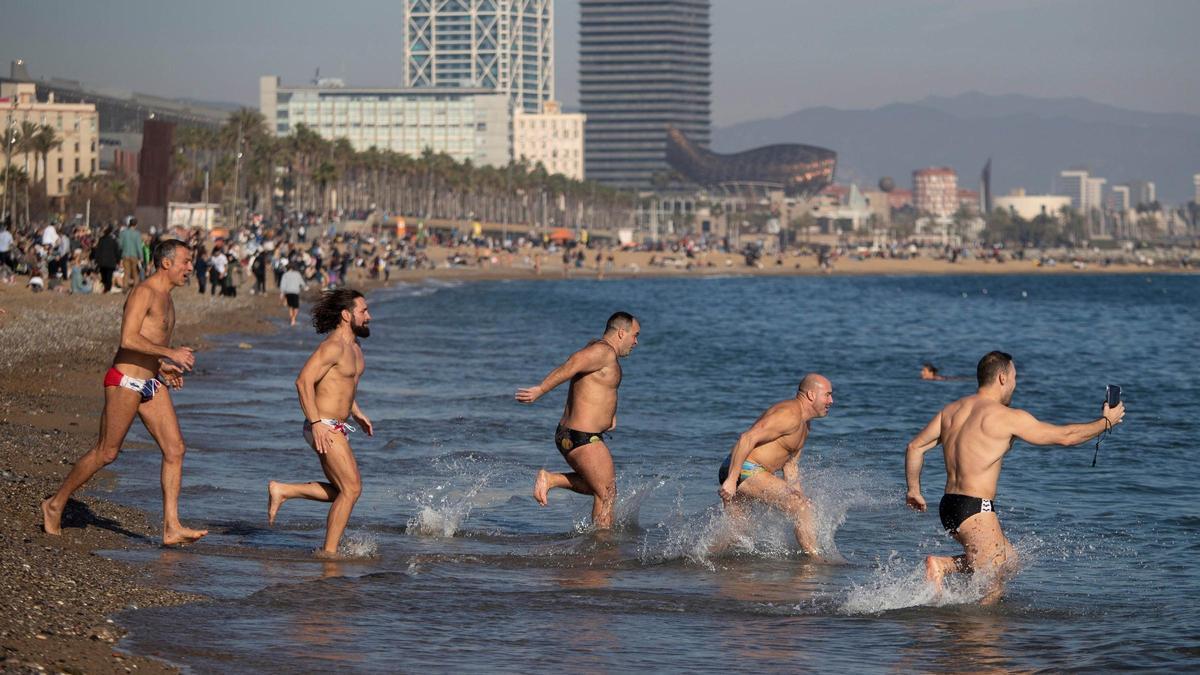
[(975, 433)]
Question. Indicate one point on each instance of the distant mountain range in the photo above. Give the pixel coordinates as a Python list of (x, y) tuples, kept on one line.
[(1030, 140)]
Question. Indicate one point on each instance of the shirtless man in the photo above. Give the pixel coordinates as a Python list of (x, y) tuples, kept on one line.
[(773, 443), (327, 386), (134, 386), (591, 410), (975, 433)]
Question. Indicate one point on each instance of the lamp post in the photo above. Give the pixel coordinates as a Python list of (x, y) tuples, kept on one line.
[(10, 139)]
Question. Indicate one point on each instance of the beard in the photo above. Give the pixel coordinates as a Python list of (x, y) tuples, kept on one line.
[(360, 330)]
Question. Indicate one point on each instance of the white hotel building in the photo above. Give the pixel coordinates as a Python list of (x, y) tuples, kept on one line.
[(479, 125), (464, 123)]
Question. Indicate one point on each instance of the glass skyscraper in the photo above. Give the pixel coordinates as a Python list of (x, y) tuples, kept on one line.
[(506, 46), (644, 66)]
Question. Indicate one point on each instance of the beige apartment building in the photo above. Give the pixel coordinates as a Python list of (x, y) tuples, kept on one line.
[(75, 124), (551, 137)]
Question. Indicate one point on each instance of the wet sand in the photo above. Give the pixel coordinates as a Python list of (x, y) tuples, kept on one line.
[(57, 594)]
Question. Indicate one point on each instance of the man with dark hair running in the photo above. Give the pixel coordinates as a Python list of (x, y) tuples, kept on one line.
[(134, 386), (328, 385), (771, 444), (975, 433), (591, 410)]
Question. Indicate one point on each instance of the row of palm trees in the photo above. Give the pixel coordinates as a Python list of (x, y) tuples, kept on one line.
[(24, 143), (249, 169)]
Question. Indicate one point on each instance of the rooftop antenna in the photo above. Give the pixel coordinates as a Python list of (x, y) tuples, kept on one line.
[(317, 76)]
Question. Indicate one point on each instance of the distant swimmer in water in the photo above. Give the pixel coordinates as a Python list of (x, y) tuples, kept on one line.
[(591, 411), (975, 433), (328, 387), (930, 372), (138, 384), (774, 443)]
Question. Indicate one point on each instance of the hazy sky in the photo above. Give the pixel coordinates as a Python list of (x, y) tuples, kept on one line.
[(770, 57)]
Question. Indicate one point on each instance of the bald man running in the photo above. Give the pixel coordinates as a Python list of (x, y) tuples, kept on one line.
[(975, 433), (771, 444)]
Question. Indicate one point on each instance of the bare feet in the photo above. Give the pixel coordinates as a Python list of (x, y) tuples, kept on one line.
[(181, 535), (541, 486), (274, 501), (51, 519), (327, 555)]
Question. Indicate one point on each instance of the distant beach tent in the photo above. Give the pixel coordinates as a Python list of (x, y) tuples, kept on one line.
[(561, 234)]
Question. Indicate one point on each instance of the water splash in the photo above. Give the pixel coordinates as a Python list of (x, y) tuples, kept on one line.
[(628, 506), (761, 531), (898, 584), (358, 545), (443, 510)]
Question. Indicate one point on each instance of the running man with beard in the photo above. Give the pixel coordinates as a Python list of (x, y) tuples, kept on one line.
[(774, 443), (327, 385), (975, 433), (591, 411), (138, 384)]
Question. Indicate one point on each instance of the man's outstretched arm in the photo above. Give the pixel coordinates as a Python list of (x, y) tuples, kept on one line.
[(914, 459), (586, 360), (1032, 430)]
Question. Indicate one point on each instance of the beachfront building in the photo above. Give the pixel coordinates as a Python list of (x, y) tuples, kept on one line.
[(935, 191), (1086, 191), (500, 46), (643, 66), (1031, 206), (550, 137), (472, 124), (74, 125), (1142, 192), (797, 170), (1117, 199), (1196, 184)]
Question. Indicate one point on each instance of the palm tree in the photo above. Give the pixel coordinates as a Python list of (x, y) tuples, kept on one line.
[(44, 142), (323, 175)]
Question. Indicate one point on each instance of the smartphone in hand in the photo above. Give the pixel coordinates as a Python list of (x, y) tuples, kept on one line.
[(1113, 395)]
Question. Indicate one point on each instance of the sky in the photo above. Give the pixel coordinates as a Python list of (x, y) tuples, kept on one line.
[(770, 57)]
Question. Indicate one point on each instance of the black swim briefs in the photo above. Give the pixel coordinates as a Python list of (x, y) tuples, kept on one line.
[(955, 509), (566, 439)]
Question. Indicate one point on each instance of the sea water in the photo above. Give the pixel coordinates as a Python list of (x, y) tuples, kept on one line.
[(452, 566)]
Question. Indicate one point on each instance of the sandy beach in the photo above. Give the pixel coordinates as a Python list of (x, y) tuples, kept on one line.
[(58, 594), (634, 264)]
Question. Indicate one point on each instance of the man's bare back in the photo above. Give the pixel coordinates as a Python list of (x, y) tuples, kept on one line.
[(772, 455)]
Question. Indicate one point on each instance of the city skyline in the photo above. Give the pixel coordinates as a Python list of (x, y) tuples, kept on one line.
[(805, 54)]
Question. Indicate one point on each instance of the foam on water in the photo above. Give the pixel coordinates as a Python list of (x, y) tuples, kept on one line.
[(898, 583), (445, 507), (760, 531), (627, 508), (359, 545)]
